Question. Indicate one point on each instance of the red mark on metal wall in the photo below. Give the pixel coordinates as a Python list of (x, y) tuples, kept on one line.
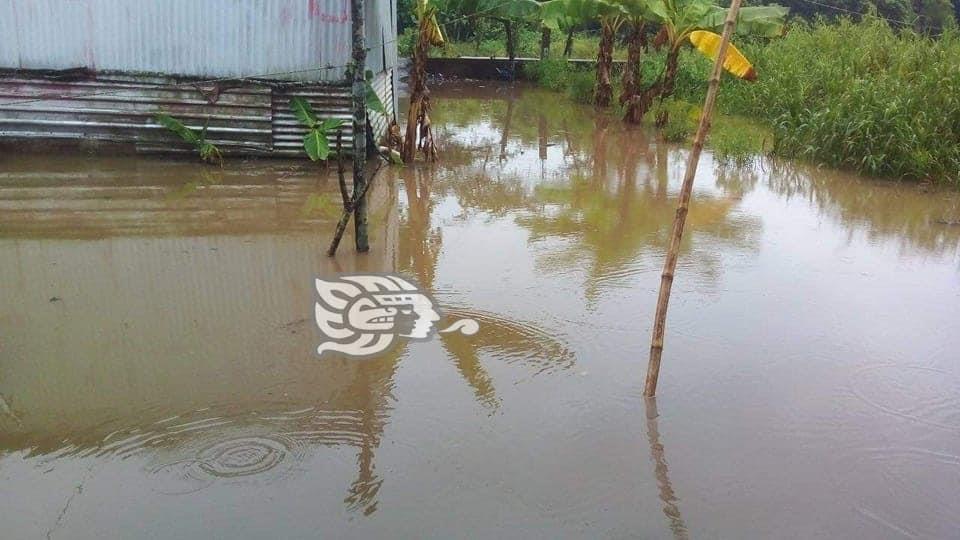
[(314, 10)]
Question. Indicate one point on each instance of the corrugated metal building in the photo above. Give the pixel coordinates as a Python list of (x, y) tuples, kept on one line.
[(101, 69)]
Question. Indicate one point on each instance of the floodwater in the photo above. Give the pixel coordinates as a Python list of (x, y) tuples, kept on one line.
[(158, 374)]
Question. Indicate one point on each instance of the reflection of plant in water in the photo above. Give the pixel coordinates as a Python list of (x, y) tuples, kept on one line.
[(476, 192), (418, 253), (319, 204), (613, 214), (610, 201), (206, 179), (904, 213), (737, 180)]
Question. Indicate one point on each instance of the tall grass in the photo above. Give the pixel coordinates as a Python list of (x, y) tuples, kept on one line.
[(561, 76), (854, 95)]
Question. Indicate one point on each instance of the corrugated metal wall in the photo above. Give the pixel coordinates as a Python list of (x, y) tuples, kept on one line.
[(203, 38), (251, 119), (138, 51)]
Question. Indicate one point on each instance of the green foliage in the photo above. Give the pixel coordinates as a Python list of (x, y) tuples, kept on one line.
[(371, 99), (207, 150), (859, 96), (559, 75), (581, 85), (736, 140), (552, 73), (315, 142), (681, 119)]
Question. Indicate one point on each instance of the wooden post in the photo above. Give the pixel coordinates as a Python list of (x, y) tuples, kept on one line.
[(686, 190), (544, 42), (359, 126)]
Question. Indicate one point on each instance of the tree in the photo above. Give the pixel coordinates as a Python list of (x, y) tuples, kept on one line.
[(418, 116), (678, 19), (510, 13), (610, 15), (637, 14)]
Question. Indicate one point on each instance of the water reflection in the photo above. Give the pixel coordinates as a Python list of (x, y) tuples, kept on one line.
[(595, 196), (919, 220), (671, 504)]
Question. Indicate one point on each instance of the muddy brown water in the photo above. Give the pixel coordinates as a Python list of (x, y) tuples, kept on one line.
[(158, 376)]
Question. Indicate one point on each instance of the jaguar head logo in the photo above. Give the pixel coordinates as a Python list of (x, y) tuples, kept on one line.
[(362, 315)]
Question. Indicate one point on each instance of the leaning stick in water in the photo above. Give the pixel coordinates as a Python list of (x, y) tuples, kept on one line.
[(349, 203), (686, 190)]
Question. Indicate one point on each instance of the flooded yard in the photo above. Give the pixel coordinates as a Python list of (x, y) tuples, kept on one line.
[(159, 375)]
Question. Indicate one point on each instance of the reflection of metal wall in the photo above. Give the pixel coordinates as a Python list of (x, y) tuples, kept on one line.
[(180, 318), (101, 69)]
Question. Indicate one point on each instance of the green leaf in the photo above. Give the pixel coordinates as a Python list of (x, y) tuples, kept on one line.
[(555, 13), (303, 111), (395, 157), (764, 21), (177, 127), (315, 143), (329, 124), (373, 102)]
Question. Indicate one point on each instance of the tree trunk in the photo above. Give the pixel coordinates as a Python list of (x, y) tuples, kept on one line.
[(511, 39), (639, 104), (683, 205), (669, 82), (603, 91), (568, 46), (631, 72), (544, 42), (359, 126), (419, 97)]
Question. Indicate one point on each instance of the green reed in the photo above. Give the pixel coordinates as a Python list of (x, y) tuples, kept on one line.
[(862, 96)]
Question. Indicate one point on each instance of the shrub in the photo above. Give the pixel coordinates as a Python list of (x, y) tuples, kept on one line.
[(580, 85), (552, 74), (559, 75)]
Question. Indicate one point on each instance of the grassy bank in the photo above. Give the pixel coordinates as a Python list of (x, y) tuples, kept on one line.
[(858, 96)]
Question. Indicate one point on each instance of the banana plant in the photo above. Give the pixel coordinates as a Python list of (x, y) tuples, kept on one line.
[(207, 150), (637, 14), (315, 141), (610, 14), (510, 13), (418, 135), (678, 19), (372, 100)]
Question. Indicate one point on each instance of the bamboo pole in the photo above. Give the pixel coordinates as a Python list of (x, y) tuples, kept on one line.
[(686, 190)]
